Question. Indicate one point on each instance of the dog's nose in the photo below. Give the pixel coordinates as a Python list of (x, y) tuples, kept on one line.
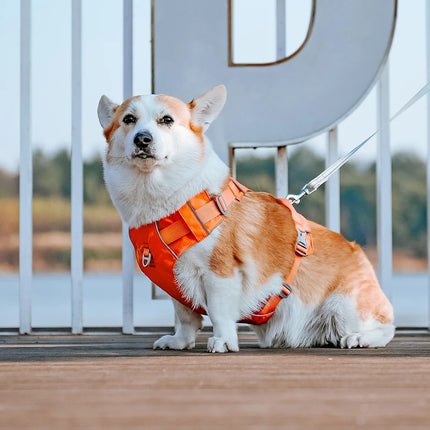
[(142, 139)]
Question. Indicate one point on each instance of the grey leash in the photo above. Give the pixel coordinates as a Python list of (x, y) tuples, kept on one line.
[(315, 183)]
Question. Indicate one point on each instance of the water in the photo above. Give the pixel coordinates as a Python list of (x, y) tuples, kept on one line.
[(102, 301)]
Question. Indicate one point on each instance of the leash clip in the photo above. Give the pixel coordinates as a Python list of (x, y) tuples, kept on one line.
[(295, 198)]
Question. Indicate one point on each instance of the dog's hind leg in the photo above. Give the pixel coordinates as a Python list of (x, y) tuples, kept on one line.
[(187, 324), (373, 334)]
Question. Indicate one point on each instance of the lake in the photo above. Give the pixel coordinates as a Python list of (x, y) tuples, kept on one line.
[(102, 301)]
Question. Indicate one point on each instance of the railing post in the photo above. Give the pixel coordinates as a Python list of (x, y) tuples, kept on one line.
[(232, 160), (332, 188), (383, 183), (428, 151), (127, 247), (281, 171), (25, 174), (77, 258), (281, 42), (281, 161)]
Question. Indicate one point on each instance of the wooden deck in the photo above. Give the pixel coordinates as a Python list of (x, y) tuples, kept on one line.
[(119, 382)]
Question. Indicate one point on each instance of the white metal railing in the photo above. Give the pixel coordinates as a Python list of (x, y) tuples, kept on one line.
[(25, 174), (384, 223), (77, 257), (127, 247)]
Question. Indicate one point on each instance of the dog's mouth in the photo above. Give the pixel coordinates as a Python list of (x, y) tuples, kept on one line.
[(142, 155)]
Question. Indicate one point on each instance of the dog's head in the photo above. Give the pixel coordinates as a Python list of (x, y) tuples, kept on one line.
[(156, 131)]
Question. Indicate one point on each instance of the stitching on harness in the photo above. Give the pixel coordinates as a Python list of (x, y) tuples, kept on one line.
[(198, 218), (164, 243)]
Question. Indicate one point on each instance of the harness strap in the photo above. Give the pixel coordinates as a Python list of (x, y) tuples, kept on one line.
[(304, 247), (202, 214), (192, 223)]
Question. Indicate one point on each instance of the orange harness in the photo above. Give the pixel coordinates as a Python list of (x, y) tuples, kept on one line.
[(159, 245)]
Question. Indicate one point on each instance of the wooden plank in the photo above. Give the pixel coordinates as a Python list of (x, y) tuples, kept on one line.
[(115, 382)]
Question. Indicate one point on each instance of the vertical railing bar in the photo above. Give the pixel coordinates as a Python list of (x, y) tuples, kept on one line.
[(232, 160), (383, 184), (281, 171), (281, 161), (332, 189), (127, 248), (25, 174), (77, 171), (281, 38), (428, 153)]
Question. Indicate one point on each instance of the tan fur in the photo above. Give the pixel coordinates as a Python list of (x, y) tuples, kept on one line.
[(116, 123), (182, 113), (262, 229)]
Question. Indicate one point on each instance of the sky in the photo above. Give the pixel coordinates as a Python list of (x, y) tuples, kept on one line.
[(102, 70)]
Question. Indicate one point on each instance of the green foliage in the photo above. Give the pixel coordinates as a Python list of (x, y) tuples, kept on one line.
[(358, 197), (51, 177), (409, 202), (51, 174), (9, 184), (94, 187), (358, 204), (257, 173)]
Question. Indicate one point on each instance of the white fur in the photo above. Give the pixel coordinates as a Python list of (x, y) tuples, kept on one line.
[(144, 191)]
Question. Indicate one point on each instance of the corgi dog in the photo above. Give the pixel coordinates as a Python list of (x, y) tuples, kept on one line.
[(157, 159)]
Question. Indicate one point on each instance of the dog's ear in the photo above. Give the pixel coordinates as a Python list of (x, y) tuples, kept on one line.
[(207, 107), (105, 110)]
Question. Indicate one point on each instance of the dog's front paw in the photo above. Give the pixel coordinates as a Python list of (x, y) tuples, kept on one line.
[(173, 342), (218, 344)]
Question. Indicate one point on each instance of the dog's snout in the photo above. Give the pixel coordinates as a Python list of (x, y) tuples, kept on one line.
[(142, 139)]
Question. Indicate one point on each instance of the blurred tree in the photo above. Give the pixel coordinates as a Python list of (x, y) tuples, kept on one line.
[(95, 191), (358, 193), (9, 184), (51, 174), (409, 201)]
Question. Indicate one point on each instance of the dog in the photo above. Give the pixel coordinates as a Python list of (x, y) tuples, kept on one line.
[(157, 159)]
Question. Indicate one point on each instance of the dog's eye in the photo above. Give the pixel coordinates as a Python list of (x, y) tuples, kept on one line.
[(166, 120), (129, 119)]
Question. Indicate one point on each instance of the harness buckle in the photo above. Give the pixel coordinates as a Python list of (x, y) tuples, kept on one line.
[(146, 257), (302, 243), (221, 204), (285, 287)]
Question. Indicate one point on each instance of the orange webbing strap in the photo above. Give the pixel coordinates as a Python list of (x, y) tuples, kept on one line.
[(303, 248), (201, 214)]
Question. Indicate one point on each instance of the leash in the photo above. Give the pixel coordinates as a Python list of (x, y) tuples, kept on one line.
[(315, 183)]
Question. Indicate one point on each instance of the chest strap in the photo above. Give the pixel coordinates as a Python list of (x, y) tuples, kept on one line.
[(198, 218)]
